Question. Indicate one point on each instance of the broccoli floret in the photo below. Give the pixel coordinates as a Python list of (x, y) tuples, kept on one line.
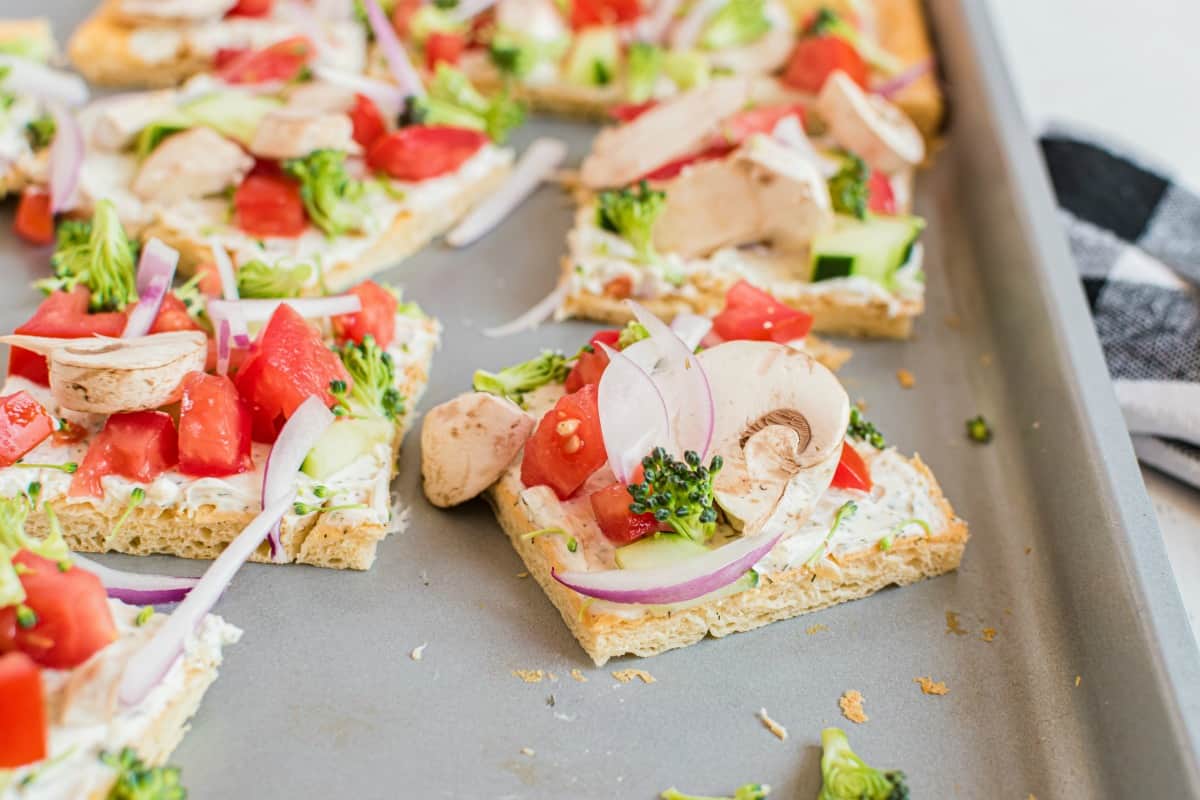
[(862, 428), (978, 430), (631, 214), (333, 199), (452, 100), (751, 791), (678, 493), (845, 776), (13, 511), (516, 56), (738, 23), (259, 279), (644, 66), (151, 136), (374, 377), (826, 20), (40, 131), (513, 382), (136, 781), (98, 255), (848, 188), (632, 333)]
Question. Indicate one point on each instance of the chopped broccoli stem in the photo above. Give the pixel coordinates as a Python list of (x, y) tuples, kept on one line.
[(632, 333), (136, 498), (678, 493), (862, 428), (259, 279), (40, 131), (848, 188), (846, 511), (885, 542), (899, 527), (978, 430), (302, 509), (515, 381), (845, 776), (98, 255), (631, 214), (374, 376), (739, 22), (69, 467), (572, 542), (334, 200), (136, 781), (143, 616), (750, 791)]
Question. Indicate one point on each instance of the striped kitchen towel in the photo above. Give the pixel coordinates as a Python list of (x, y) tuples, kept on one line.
[(1135, 236)]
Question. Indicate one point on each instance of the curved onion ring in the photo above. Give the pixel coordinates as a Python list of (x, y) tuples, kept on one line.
[(633, 414), (299, 434), (387, 96), (691, 328), (394, 52), (137, 588), (156, 270), (539, 313), (898, 83), (66, 159)]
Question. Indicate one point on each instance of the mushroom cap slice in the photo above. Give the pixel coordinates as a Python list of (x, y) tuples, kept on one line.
[(869, 126), (780, 421), (467, 443), (101, 375)]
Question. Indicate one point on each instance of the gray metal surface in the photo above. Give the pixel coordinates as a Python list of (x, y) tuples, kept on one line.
[(321, 699)]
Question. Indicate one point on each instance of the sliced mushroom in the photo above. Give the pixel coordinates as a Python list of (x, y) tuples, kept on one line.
[(780, 421), (110, 376), (196, 163), (113, 122), (317, 97), (869, 126), (467, 443), (294, 133)]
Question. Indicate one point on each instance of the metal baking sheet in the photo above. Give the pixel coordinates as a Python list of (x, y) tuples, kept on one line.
[(1091, 687)]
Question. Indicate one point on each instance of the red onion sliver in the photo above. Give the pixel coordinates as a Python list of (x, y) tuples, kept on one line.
[(138, 588), (394, 52), (156, 270), (633, 414), (147, 668), (691, 328), (224, 345), (26, 76), (299, 434), (541, 311), (898, 83), (225, 270), (387, 96), (66, 159), (308, 307)]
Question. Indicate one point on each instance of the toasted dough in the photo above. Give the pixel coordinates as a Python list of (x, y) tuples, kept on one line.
[(101, 49), (777, 597)]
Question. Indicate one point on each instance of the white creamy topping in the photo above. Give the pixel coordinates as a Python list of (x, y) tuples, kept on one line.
[(85, 718), (14, 141)]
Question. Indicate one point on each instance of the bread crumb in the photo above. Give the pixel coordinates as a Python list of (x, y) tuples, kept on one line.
[(988, 635), (777, 730), (953, 321), (522, 574), (1078, 678), (930, 686), (906, 378), (418, 651), (851, 703), (862, 404), (529, 675), (953, 625), (818, 628), (527, 751), (627, 675), (578, 675), (551, 676), (986, 359), (1036, 424)]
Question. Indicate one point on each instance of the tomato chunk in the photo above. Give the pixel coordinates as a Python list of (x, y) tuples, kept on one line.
[(23, 709), (852, 472), (443, 48), (420, 152), (24, 424), (62, 315), (367, 120), (628, 112), (590, 365), (818, 57), (751, 313), (402, 15), (761, 119), (287, 364), (140, 446), (377, 318), (616, 521), (214, 427), (567, 445), (34, 222), (268, 203), (282, 61), (251, 8), (881, 199), (673, 168), (72, 618), (586, 13), (173, 316)]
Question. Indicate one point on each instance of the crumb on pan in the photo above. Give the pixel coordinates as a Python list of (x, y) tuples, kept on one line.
[(522, 574), (627, 675), (953, 625), (1028, 550), (818, 628), (529, 675), (851, 703), (777, 730), (986, 359), (1078, 679), (930, 686), (418, 652), (953, 321), (988, 634), (861, 403), (578, 675), (527, 751), (906, 378)]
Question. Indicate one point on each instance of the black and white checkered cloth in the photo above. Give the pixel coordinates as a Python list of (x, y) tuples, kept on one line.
[(1135, 236)]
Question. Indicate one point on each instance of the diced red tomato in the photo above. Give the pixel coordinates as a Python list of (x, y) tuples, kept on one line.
[(210, 279), (616, 521), (288, 364), (251, 8), (368, 122), (24, 424), (818, 57), (852, 472), (402, 14), (140, 446), (881, 199), (72, 619), (761, 119), (282, 61), (62, 315), (619, 288), (377, 318), (444, 48), (69, 433), (751, 313), (567, 446), (586, 13), (628, 112), (173, 316), (420, 152), (214, 427), (224, 56), (673, 168), (34, 222), (23, 709), (268, 203), (590, 366)]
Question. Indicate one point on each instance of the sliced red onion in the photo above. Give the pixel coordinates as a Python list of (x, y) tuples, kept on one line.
[(687, 580), (152, 662), (299, 434), (225, 270), (541, 311), (137, 588), (156, 270), (308, 307), (691, 328), (66, 159), (29, 77), (687, 32), (898, 83), (387, 96), (538, 162), (467, 10), (224, 345), (633, 414), (394, 52)]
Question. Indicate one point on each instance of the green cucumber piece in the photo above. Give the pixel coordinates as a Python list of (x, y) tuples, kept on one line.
[(658, 550), (687, 69), (343, 442), (873, 248), (232, 114), (595, 58)]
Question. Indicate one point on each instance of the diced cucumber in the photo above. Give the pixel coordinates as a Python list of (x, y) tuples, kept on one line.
[(232, 114), (658, 550), (343, 442), (595, 58), (687, 69), (873, 248), (747, 581)]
